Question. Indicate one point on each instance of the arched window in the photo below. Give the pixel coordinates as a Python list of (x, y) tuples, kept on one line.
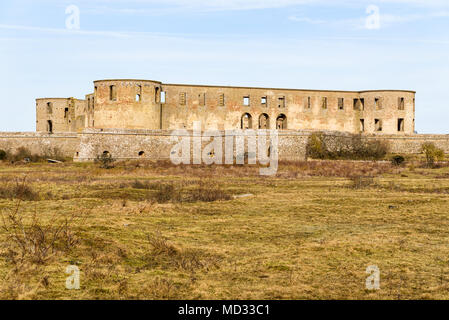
[(281, 122), (247, 121), (264, 121)]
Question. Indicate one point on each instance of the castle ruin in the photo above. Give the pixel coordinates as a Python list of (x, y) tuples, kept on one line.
[(133, 119), (152, 105)]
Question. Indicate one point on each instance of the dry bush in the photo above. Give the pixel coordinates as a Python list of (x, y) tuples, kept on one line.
[(31, 239), (432, 154), (106, 161), (3, 155), (19, 190), (168, 192), (203, 191), (328, 168), (142, 185), (353, 147), (208, 192), (360, 182), (162, 289), (166, 256)]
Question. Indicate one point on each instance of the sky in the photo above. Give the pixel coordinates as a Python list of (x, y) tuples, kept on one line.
[(57, 48)]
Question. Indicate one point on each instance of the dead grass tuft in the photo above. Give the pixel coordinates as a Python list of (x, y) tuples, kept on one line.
[(30, 239), (19, 190)]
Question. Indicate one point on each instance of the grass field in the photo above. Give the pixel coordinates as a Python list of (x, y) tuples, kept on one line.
[(156, 231)]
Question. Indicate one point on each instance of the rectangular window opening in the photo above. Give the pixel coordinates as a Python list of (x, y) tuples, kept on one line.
[(221, 100), (362, 125), (378, 125), (359, 104), (378, 103), (183, 99), (401, 127), (281, 102), (401, 104), (263, 101), (309, 102), (139, 94), (324, 103), (202, 99), (246, 101), (341, 103), (112, 93), (49, 108)]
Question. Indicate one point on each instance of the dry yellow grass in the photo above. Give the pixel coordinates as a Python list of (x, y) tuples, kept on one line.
[(304, 234)]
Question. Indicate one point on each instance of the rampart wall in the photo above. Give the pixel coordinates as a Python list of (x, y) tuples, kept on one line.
[(158, 144)]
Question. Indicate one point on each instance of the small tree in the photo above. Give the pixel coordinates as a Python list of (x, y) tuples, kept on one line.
[(397, 160), (316, 147), (432, 153), (106, 160)]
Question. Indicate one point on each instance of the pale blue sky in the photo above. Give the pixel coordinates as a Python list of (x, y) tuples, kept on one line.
[(316, 44)]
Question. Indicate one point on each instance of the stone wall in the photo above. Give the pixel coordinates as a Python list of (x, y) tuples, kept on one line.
[(40, 143), (158, 144), (129, 104)]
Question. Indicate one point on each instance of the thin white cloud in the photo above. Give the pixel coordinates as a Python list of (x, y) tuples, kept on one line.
[(386, 20), (170, 6)]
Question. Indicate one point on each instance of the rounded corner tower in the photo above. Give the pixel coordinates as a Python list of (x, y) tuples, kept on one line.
[(131, 104)]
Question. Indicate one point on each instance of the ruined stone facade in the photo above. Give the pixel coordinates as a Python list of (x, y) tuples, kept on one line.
[(152, 105)]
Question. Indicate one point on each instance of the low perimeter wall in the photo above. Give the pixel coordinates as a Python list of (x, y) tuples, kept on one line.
[(40, 143), (158, 144)]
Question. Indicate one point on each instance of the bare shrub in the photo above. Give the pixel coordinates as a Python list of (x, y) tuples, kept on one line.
[(353, 147), (19, 190), (145, 185), (360, 182), (328, 168), (397, 160), (33, 240), (168, 192), (166, 255), (208, 192)]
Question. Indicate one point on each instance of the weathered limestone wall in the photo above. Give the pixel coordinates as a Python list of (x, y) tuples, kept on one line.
[(411, 144), (40, 143), (303, 109), (158, 144), (128, 104), (60, 114)]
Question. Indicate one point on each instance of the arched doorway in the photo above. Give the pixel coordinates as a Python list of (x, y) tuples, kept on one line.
[(247, 121), (264, 121), (281, 122)]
